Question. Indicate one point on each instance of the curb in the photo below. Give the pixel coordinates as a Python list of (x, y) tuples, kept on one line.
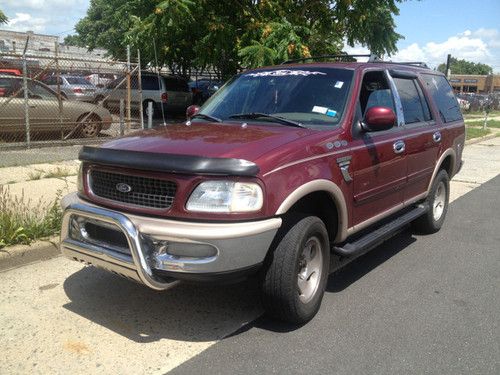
[(480, 139), (20, 255)]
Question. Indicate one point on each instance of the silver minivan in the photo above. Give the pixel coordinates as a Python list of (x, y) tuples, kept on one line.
[(72, 87), (170, 92)]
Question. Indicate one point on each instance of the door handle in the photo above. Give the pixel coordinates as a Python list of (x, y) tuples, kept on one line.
[(437, 137), (399, 147)]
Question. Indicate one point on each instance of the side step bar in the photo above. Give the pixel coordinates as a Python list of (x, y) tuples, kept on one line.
[(377, 236)]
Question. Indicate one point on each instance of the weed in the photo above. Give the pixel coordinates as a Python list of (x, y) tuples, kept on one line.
[(59, 173), (35, 175), (22, 221)]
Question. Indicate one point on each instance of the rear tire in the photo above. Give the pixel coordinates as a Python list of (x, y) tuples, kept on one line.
[(295, 277), (438, 199)]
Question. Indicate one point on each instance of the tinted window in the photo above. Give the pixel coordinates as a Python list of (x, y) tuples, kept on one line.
[(176, 84), (150, 83), (413, 107), (442, 94), (38, 91), (77, 81)]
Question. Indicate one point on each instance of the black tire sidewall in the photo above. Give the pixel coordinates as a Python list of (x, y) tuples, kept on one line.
[(310, 308), (427, 224), (281, 299)]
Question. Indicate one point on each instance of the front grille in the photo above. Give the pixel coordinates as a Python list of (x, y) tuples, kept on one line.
[(144, 191)]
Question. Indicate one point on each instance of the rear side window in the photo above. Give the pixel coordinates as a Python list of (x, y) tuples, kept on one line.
[(176, 84), (442, 94), (150, 83), (415, 108)]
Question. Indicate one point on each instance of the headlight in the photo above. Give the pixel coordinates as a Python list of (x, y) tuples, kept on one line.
[(79, 180), (225, 196)]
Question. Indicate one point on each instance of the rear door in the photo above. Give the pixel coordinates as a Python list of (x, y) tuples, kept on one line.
[(179, 95), (422, 135), (44, 109)]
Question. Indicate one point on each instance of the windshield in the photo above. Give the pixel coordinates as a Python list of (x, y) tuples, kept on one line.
[(307, 95)]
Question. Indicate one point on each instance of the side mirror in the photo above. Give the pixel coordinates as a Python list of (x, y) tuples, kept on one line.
[(192, 110), (378, 118)]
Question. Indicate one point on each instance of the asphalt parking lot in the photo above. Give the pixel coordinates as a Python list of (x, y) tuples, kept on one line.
[(415, 305)]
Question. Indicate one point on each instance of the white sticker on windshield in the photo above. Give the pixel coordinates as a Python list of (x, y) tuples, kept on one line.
[(339, 84), (319, 109), (285, 72)]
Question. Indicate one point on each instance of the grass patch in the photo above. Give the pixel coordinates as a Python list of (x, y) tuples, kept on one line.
[(22, 221), (481, 114), (476, 132), (489, 123)]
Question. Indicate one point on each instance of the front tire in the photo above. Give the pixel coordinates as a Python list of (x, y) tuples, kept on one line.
[(438, 200), (295, 277)]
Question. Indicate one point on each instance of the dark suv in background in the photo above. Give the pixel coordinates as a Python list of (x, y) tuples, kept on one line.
[(287, 173)]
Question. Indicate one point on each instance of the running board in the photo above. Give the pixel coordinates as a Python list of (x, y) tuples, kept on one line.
[(377, 236)]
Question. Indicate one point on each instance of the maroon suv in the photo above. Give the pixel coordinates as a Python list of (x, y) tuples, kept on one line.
[(287, 172)]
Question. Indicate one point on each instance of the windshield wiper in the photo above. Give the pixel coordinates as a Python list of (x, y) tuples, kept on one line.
[(206, 117), (255, 115)]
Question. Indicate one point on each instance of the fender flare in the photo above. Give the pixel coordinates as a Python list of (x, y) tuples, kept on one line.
[(449, 152), (320, 185)]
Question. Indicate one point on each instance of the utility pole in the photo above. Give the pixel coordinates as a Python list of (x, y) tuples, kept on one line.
[(448, 62)]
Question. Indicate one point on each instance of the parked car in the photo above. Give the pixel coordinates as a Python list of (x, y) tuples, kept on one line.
[(464, 104), (170, 92), (286, 173), (72, 87), (101, 79), (10, 72), (203, 89), (44, 110)]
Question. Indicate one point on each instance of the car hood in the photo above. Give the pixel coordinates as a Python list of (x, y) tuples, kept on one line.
[(228, 140)]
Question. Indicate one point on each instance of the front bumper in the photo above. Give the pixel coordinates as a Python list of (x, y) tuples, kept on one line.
[(147, 249)]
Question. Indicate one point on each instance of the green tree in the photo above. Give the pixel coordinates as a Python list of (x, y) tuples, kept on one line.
[(72, 40), (466, 67), (3, 18), (227, 35)]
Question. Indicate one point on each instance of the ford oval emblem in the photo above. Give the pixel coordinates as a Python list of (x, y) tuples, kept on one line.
[(123, 187)]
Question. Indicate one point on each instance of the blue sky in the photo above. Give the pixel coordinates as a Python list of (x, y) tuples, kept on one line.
[(468, 29)]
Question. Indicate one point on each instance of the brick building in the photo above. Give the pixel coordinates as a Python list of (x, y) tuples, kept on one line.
[(480, 84)]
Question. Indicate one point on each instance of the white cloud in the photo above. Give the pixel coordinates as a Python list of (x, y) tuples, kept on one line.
[(25, 22), (480, 46), (42, 4)]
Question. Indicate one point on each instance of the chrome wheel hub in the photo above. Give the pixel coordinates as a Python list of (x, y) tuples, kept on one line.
[(310, 268), (439, 201)]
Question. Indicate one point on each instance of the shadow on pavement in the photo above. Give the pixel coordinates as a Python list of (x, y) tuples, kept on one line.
[(195, 313), (349, 274), (341, 279)]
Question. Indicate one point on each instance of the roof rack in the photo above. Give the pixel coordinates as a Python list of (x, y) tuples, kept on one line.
[(340, 58), (414, 63), (372, 58)]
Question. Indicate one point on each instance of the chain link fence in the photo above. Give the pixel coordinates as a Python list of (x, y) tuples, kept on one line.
[(53, 99)]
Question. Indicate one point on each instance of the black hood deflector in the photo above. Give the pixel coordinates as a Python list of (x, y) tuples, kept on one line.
[(170, 163)]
